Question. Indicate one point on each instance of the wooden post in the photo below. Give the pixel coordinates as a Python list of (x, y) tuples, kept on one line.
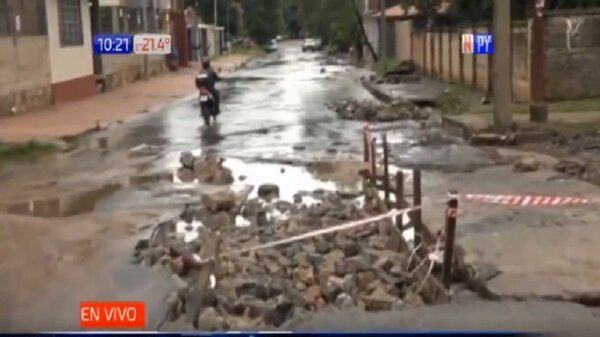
[(373, 158), (501, 86), (450, 231), (210, 249), (386, 171), (366, 143), (416, 214), (538, 109), (399, 198)]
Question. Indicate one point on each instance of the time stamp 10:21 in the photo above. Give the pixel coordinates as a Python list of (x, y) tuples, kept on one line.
[(142, 44)]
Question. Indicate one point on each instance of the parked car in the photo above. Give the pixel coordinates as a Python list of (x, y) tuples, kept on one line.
[(272, 46), (311, 45)]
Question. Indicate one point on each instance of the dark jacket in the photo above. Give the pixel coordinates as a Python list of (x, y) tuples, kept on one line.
[(207, 78)]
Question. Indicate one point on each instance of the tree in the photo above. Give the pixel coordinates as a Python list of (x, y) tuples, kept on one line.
[(263, 19), (227, 14), (334, 21)]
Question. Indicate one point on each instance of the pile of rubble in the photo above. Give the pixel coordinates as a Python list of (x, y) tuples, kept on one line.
[(265, 288), (206, 168), (368, 110)]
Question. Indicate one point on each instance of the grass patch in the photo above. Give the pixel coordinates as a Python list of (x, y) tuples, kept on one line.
[(457, 100), (584, 105), (24, 151), (251, 51), (385, 65)]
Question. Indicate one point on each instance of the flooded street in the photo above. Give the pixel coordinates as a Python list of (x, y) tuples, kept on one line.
[(75, 219)]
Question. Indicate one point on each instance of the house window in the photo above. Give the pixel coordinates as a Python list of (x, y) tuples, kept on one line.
[(69, 23), (151, 19), (5, 22), (134, 20), (33, 17), (106, 20), (160, 20)]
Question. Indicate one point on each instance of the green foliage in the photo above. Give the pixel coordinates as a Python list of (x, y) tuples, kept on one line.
[(331, 20), (30, 149), (385, 65), (454, 102), (263, 19), (260, 20)]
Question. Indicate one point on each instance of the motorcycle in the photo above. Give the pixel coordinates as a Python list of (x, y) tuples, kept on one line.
[(207, 106), (207, 101)]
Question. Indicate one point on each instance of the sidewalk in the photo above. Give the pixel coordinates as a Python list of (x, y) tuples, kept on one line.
[(77, 117)]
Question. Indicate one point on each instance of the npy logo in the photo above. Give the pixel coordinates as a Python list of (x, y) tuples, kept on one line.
[(478, 44)]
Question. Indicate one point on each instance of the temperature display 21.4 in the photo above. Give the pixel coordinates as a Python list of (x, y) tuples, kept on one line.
[(154, 44)]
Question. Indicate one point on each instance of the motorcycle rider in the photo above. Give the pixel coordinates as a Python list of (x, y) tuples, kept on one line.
[(210, 83)]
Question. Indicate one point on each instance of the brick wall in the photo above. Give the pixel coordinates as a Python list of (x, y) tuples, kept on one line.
[(24, 73), (571, 72)]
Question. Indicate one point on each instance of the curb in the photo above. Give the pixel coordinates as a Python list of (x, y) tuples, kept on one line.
[(66, 140)]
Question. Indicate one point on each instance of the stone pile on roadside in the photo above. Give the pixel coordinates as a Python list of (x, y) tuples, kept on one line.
[(265, 288), (366, 110)]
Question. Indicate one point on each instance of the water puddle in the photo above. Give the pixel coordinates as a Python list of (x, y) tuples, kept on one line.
[(82, 202), (290, 179), (70, 205)]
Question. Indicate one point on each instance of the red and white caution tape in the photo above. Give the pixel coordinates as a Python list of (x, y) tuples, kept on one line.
[(527, 200)]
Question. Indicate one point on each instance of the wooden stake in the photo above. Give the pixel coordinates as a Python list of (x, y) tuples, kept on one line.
[(416, 214), (451, 214), (386, 171), (210, 249), (373, 158)]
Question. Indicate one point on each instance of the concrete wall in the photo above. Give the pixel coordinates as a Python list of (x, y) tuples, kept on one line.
[(418, 49), (456, 57), (520, 64), (372, 30), (402, 37), (24, 74), (447, 57), (571, 73)]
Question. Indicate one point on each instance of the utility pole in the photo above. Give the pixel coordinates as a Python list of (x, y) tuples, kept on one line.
[(144, 17), (215, 13), (538, 110), (502, 100), (228, 26), (382, 30)]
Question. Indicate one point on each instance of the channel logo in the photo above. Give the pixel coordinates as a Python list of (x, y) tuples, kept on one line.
[(478, 44)]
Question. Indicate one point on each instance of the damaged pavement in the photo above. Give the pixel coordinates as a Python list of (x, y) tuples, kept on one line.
[(286, 158)]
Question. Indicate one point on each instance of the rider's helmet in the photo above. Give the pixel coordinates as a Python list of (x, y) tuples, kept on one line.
[(205, 63)]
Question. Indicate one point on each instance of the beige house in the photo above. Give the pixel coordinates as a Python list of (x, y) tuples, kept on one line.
[(45, 53)]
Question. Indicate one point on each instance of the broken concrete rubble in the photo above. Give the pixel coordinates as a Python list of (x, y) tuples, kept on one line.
[(268, 287), (527, 164), (206, 168), (372, 111)]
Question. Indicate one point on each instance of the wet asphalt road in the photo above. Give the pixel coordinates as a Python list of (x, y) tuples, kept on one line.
[(269, 107), (275, 108)]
